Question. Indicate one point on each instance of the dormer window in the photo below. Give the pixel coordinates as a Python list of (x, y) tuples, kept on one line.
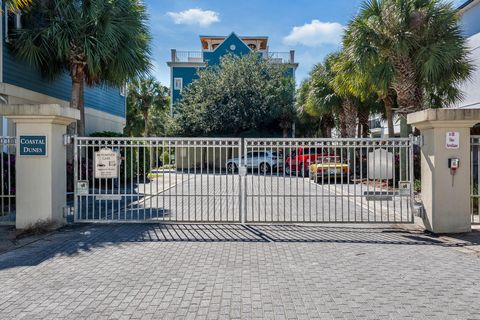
[(252, 46)]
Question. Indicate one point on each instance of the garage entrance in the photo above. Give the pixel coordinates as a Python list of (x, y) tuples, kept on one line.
[(243, 180)]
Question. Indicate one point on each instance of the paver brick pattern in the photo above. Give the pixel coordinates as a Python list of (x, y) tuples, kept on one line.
[(148, 271)]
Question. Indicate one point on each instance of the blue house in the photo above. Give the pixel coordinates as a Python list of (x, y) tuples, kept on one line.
[(21, 83), (185, 64)]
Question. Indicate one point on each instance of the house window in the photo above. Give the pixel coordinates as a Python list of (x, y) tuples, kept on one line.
[(178, 84), (13, 21), (123, 90)]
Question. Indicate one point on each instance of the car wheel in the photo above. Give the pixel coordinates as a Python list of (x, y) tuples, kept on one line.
[(231, 167), (287, 170), (264, 168)]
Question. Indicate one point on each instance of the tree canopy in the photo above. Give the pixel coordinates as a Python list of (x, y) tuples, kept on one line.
[(240, 94), (147, 108)]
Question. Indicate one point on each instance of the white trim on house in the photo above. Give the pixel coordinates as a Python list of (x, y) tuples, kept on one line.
[(468, 6), (96, 120), (187, 64)]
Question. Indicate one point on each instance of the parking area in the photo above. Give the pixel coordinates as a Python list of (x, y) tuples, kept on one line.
[(152, 271)]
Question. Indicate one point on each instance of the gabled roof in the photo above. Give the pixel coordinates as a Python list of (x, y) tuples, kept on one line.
[(263, 39)]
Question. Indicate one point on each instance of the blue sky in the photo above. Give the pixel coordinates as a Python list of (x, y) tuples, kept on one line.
[(310, 27)]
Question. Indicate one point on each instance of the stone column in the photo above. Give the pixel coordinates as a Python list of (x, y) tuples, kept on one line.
[(40, 178), (446, 198)]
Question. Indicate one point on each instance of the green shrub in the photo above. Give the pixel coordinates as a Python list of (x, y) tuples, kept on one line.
[(106, 134)]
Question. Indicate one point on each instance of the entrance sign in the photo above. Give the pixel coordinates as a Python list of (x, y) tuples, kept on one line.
[(106, 164), (32, 146), (452, 140), (380, 164)]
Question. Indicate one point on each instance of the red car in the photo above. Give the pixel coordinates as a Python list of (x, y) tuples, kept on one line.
[(299, 160)]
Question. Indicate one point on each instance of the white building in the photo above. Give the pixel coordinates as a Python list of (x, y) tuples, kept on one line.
[(470, 20)]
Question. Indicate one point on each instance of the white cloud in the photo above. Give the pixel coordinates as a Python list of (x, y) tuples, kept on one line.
[(199, 17), (315, 34)]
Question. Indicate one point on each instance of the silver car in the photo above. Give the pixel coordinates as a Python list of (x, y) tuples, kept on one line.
[(263, 161)]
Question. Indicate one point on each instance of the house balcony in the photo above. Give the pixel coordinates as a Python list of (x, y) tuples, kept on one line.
[(187, 56), (280, 57), (197, 57)]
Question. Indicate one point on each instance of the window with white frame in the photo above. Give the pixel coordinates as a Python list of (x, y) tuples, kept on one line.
[(178, 84), (13, 21), (123, 90)]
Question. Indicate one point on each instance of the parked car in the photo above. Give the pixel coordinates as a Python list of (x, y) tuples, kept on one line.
[(300, 159), (263, 161), (332, 169)]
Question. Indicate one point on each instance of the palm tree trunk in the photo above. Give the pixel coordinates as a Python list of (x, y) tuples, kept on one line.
[(363, 117), (409, 94), (350, 113), (388, 104), (76, 99), (146, 132), (342, 123)]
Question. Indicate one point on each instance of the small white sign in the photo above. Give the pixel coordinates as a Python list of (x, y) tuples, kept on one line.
[(380, 164), (452, 140), (242, 171), (404, 188), (106, 164), (82, 187)]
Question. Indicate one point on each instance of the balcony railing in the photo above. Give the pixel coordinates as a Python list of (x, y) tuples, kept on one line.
[(197, 56), (279, 57), (187, 56)]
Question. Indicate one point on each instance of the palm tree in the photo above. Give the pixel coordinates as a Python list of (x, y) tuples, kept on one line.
[(342, 83), (320, 101), (97, 42), (146, 96), (16, 5), (420, 40)]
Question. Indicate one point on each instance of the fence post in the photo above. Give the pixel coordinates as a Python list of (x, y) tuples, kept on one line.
[(445, 196), (41, 161)]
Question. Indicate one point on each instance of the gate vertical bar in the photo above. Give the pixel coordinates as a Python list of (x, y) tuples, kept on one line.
[(75, 178)]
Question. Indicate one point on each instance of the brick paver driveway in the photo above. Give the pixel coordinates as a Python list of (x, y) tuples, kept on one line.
[(233, 271)]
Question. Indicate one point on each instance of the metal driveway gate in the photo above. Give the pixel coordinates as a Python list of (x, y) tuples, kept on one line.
[(475, 179), (243, 181), (156, 179), (7, 180), (330, 180)]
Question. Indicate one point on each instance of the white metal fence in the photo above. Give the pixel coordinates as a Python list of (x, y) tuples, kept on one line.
[(7, 180), (243, 181), (475, 179)]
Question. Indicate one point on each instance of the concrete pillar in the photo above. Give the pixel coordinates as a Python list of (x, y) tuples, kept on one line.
[(292, 56), (40, 179), (446, 198)]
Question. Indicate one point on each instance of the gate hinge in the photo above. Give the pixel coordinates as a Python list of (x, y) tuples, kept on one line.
[(68, 211), (68, 139)]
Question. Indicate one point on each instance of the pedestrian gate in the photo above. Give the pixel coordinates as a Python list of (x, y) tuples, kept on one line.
[(221, 180)]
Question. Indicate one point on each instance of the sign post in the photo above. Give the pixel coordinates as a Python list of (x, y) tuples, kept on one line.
[(40, 164)]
